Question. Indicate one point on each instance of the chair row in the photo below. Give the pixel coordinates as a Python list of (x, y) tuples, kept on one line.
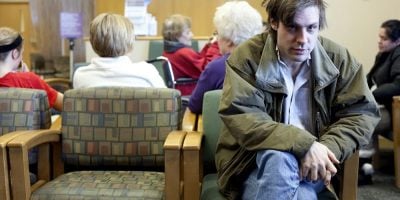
[(115, 142), (105, 133)]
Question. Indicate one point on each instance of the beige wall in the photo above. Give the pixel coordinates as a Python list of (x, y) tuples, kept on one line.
[(355, 25), (17, 16)]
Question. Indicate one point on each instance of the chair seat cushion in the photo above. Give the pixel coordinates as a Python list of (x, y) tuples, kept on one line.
[(209, 189), (104, 185)]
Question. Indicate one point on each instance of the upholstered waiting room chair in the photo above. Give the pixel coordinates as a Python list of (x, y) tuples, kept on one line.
[(112, 142), (199, 151), (20, 110)]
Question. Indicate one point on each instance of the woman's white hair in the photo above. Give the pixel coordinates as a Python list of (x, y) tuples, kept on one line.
[(237, 21)]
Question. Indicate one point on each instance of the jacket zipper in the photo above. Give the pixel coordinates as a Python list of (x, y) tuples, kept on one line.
[(318, 125)]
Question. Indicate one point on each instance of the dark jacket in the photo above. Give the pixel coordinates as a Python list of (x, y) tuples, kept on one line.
[(343, 108), (385, 74)]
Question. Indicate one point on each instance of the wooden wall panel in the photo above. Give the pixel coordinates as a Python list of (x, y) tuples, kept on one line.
[(17, 16), (46, 27), (201, 12), (112, 6)]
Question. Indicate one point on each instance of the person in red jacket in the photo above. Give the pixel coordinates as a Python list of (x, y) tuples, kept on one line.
[(11, 49), (186, 62)]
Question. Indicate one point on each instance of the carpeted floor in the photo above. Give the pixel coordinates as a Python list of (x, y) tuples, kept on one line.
[(383, 187)]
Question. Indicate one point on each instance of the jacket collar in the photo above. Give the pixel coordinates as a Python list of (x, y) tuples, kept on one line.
[(172, 46), (268, 72)]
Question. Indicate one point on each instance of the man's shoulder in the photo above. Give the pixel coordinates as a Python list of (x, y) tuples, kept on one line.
[(337, 53), (331, 47), (249, 50)]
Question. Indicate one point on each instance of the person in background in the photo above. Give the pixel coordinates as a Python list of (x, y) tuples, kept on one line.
[(112, 38), (231, 21), (384, 81), (186, 62), (294, 105), (15, 73)]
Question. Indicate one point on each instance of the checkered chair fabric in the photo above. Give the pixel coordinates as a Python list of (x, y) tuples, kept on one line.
[(114, 126), (23, 109), (20, 109)]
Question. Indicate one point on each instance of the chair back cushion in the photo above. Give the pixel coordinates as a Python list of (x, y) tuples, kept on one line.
[(211, 125), (23, 109), (164, 68), (118, 126)]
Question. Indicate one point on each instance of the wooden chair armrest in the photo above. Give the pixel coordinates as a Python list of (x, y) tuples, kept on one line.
[(33, 138), (349, 184), (56, 122), (174, 140), (192, 165), (19, 164), (189, 120), (4, 168), (200, 123), (57, 80), (173, 165)]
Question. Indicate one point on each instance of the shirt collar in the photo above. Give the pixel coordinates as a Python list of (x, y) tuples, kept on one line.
[(281, 61)]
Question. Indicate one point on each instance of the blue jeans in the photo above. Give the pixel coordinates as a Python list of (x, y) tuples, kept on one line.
[(277, 177)]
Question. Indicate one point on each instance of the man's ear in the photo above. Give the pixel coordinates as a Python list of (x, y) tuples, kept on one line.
[(274, 24)]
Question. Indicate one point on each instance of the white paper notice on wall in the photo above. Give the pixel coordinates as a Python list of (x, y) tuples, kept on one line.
[(136, 11), (71, 25)]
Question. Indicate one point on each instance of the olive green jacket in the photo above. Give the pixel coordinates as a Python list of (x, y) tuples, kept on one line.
[(343, 108)]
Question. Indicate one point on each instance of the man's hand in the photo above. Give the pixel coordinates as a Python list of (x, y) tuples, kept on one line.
[(318, 163)]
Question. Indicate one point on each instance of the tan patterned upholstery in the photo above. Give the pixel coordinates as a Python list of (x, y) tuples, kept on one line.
[(115, 127), (20, 109), (23, 109), (121, 184)]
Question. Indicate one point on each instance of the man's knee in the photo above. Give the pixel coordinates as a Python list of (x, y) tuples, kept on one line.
[(276, 158)]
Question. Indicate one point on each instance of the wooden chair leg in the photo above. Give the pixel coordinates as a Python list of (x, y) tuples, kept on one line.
[(348, 188), (376, 156), (396, 137)]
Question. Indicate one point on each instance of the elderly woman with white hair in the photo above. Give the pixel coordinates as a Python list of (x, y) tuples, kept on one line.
[(235, 22)]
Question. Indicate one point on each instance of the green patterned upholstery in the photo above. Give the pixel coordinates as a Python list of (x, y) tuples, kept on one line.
[(115, 127), (23, 109)]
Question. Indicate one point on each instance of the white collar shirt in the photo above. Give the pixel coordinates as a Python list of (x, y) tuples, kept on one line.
[(297, 104)]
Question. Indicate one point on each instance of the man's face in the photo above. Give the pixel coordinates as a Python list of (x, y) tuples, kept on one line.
[(296, 41)]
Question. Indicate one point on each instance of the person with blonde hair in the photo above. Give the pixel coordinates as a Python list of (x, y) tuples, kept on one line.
[(231, 21), (112, 38), (11, 50), (186, 62)]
